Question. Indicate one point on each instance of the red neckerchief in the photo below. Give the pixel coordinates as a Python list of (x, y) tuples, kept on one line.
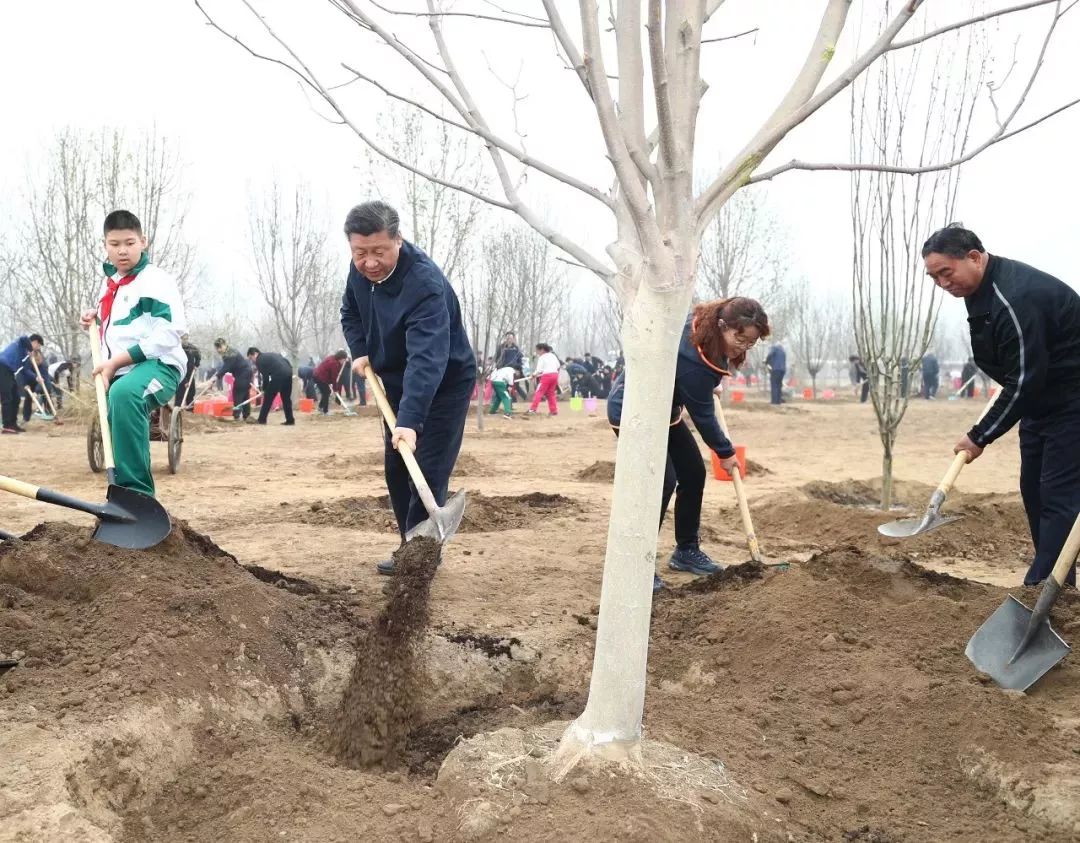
[(110, 296)]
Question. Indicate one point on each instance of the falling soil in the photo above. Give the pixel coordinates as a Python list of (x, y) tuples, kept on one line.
[(483, 513), (756, 469), (839, 688), (380, 701), (601, 471)]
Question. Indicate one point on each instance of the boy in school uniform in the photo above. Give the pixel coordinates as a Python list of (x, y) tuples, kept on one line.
[(141, 322)]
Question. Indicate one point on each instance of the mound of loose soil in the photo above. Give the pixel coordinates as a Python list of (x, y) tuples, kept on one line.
[(839, 688), (483, 513), (100, 625), (601, 471), (380, 701), (993, 529)]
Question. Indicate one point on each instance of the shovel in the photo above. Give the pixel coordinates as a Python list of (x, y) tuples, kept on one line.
[(39, 410), (129, 519), (5, 536), (443, 521), (744, 507), (45, 390), (1015, 646), (932, 518)]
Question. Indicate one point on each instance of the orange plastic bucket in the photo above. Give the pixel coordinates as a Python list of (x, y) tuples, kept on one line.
[(740, 457), (307, 405), (737, 397), (808, 393)]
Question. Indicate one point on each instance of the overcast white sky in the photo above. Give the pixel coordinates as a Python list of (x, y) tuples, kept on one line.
[(240, 122)]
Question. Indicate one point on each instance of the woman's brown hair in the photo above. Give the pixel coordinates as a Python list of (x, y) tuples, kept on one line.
[(712, 317)]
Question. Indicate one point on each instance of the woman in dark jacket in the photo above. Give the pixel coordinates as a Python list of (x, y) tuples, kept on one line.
[(715, 341)]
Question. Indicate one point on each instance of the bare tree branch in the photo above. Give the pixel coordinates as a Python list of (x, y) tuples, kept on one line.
[(911, 42), (533, 23), (796, 105), (729, 37), (631, 85), (1002, 132), (660, 87), (488, 136), (630, 184)]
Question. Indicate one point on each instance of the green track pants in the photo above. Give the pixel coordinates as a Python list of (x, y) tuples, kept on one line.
[(500, 394), (131, 399)]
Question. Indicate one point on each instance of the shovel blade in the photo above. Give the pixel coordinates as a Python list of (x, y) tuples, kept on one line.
[(443, 522), (132, 520), (995, 642), (907, 527)]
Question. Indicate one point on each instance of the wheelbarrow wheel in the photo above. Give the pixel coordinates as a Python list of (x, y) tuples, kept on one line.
[(176, 440), (95, 451)]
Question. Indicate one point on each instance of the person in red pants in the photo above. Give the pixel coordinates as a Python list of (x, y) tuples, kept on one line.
[(547, 374)]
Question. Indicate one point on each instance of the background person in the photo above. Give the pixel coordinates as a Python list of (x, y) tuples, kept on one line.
[(234, 363), (547, 375), (277, 379), (12, 359)]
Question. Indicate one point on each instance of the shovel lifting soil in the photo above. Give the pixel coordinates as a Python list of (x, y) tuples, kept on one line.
[(5, 536), (1017, 645), (443, 521), (932, 518), (744, 507)]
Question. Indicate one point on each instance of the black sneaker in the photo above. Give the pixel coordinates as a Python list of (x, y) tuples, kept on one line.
[(693, 560), (657, 583)]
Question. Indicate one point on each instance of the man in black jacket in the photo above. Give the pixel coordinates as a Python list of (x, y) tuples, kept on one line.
[(240, 368), (277, 378), (400, 313), (1025, 334)]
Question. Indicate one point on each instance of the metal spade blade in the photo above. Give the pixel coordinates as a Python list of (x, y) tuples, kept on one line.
[(907, 527), (992, 647), (131, 519), (443, 522)]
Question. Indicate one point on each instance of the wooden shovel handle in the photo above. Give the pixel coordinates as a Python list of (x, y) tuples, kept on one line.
[(961, 459), (422, 487), (740, 493), (18, 487), (102, 402), (1068, 554), (48, 396)]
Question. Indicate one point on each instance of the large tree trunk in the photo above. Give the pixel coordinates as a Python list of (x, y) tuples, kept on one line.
[(610, 726)]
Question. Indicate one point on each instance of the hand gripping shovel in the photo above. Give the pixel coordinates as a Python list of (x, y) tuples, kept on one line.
[(744, 507), (443, 521), (932, 518), (129, 519), (1015, 646)]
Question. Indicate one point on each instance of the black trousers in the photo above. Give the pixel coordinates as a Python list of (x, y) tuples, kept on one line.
[(271, 391), (437, 450), (241, 391), (684, 476), (776, 383), (361, 390), (9, 397), (182, 397), (324, 396), (1050, 485)]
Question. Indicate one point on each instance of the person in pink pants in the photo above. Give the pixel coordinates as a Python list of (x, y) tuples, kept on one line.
[(547, 373)]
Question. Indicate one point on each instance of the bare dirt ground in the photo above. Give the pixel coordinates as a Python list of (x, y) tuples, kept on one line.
[(187, 693)]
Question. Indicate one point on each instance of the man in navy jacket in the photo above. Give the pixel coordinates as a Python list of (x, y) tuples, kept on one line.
[(1025, 334), (13, 358), (400, 314)]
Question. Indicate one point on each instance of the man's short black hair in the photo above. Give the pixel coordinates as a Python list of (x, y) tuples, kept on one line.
[(253, 350), (122, 221), (953, 241), (220, 342), (37, 338), (372, 217), (340, 354)]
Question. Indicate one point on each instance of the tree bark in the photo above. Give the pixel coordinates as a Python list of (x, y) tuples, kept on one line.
[(610, 726)]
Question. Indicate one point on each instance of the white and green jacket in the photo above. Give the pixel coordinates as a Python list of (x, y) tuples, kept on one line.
[(147, 317)]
